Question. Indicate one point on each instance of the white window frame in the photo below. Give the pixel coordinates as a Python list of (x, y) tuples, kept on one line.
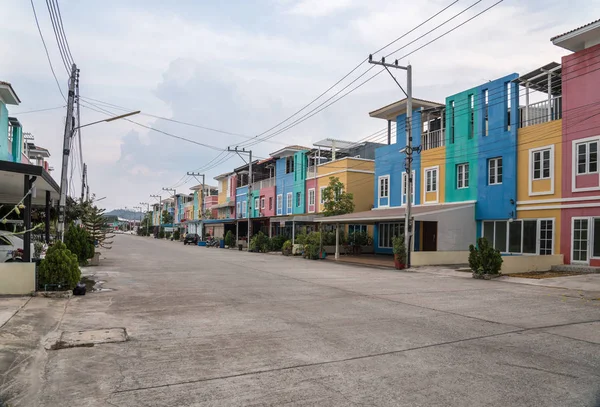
[(321, 201), (384, 233), (239, 210), (532, 153), (403, 188), (228, 187), (244, 209), (537, 229), (262, 202), (256, 203), (574, 170), (434, 171), (289, 200), (380, 192), (280, 204), (465, 176), (589, 240), (587, 153), (311, 200), (497, 161)]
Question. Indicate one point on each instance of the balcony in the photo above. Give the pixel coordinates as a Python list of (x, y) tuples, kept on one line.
[(541, 112), (433, 139), (265, 183), (311, 171)]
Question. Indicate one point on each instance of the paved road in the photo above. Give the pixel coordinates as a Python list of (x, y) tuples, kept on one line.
[(216, 327)]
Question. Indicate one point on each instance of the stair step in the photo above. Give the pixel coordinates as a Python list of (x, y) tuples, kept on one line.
[(576, 268)]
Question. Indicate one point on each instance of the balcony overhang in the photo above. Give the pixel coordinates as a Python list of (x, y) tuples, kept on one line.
[(580, 38), (8, 95), (288, 151), (391, 111), (538, 79)]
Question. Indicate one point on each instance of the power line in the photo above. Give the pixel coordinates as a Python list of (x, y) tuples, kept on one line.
[(46, 49), (61, 48), (62, 29), (39, 110)]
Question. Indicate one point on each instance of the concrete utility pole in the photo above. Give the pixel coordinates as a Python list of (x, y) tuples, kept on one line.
[(83, 181), (408, 150), (159, 210), (197, 174), (147, 218), (68, 135), (140, 209), (249, 204)]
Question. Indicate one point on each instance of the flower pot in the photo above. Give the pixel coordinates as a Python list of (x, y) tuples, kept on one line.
[(398, 264)]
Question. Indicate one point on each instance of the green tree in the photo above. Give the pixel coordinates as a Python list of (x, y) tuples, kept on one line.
[(79, 242), (59, 267), (336, 201), (96, 225), (167, 217)]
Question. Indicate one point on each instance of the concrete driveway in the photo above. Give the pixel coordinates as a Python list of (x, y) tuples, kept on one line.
[(217, 327)]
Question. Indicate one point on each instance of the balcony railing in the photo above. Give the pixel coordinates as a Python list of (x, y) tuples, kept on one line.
[(541, 112), (265, 183), (433, 139), (311, 171)]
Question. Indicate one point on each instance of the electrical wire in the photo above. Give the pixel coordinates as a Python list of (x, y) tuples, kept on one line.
[(40, 110), (62, 29), (61, 48)]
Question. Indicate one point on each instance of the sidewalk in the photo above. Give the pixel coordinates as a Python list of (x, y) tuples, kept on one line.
[(584, 282)]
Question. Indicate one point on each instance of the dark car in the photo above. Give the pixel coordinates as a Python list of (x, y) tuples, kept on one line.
[(191, 238)]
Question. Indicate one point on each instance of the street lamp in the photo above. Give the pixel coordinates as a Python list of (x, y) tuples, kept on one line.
[(69, 132)]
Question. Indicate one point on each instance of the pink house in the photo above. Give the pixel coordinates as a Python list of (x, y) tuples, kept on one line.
[(580, 202)]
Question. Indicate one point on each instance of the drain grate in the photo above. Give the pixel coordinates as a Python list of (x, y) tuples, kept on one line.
[(90, 338)]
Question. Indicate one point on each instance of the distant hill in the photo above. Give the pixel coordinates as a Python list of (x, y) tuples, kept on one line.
[(125, 214)]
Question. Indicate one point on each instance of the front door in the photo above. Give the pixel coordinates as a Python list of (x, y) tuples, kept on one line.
[(429, 236), (580, 244)]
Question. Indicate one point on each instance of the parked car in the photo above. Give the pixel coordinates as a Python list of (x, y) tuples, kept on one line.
[(10, 243), (191, 238)]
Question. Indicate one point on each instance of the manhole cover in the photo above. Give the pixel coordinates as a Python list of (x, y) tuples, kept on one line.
[(90, 338)]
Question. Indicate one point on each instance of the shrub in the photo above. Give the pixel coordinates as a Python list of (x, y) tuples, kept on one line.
[(229, 239), (286, 249), (277, 242), (329, 238), (79, 242), (176, 234), (312, 245), (38, 248), (259, 243), (399, 248), (161, 234), (360, 239), (300, 238), (168, 235), (484, 259), (59, 267)]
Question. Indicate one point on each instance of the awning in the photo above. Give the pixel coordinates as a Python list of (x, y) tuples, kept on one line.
[(12, 181), (216, 221), (295, 218), (396, 213)]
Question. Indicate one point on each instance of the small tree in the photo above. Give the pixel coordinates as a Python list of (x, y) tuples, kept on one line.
[(59, 267), (336, 201), (399, 249), (259, 243), (167, 218), (484, 259), (96, 225), (229, 239), (176, 234), (79, 242), (287, 248)]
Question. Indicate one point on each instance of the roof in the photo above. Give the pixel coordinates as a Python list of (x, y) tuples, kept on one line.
[(11, 182), (224, 175), (199, 187), (8, 94), (579, 38), (395, 213), (339, 144), (289, 150), (393, 110), (538, 78)]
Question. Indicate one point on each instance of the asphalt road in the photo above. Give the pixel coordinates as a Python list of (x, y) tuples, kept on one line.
[(218, 327)]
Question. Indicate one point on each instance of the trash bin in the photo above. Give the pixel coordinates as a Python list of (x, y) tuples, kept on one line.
[(222, 244)]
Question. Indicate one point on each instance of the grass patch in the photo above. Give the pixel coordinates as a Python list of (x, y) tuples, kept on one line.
[(545, 274)]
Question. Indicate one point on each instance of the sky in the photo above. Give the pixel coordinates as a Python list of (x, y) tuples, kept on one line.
[(242, 67)]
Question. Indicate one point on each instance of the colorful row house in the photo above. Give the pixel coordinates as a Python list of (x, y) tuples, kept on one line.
[(511, 160)]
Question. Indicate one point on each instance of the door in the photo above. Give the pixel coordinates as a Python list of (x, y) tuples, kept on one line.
[(580, 240), (429, 236)]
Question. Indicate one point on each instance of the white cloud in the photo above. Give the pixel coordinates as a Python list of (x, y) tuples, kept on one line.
[(320, 8)]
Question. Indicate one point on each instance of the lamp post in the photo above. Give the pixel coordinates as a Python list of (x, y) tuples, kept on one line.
[(69, 132)]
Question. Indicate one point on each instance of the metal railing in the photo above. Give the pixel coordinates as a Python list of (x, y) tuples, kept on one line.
[(311, 171), (541, 112), (433, 139), (265, 183)]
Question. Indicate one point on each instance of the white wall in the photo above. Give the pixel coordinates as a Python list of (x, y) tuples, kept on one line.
[(457, 228), (17, 278)]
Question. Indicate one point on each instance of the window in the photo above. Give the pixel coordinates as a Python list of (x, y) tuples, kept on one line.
[(495, 171), (384, 186), (262, 202), (462, 176), (228, 188), (298, 199), (244, 208), (279, 203), (471, 116), (530, 236), (239, 209), (256, 200), (485, 113), (289, 203), (452, 122), (431, 180), (541, 164), (311, 197), (357, 228), (580, 239), (522, 235), (386, 232), (587, 157), (596, 238), (289, 165), (270, 203), (404, 184), (508, 89), (321, 197), (546, 232)]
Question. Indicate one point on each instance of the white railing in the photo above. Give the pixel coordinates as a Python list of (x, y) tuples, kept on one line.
[(433, 139), (541, 112), (265, 183), (311, 171)]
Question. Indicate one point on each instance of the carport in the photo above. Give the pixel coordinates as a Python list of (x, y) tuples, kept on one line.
[(30, 185)]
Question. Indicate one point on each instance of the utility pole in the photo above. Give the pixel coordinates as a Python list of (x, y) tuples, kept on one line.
[(159, 210), (139, 224), (147, 212), (249, 204), (197, 174), (174, 202), (408, 150), (68, 135), (83, 181)]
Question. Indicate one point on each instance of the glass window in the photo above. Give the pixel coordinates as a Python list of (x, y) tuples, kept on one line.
[(279, 204), (587, 157), (500, 236), (289, 202), (596, 238), (541, 164), (471, 116), (530, 236), (262, 203), (311, 196), (580, 240), (431, 180), (384, 187), (256, 200), (546, 236), (244, 208), (488, 232), (321, 195), (386, 232), (452, 122), (514, 236), (495, 171), (485, 113), (462, 176), (298, 199)]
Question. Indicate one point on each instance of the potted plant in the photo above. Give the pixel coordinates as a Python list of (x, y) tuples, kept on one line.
[(399, 249)]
